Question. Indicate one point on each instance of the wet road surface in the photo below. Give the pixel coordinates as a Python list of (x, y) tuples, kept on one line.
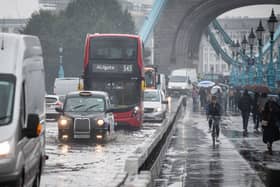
[(192, 161), (89, 164)]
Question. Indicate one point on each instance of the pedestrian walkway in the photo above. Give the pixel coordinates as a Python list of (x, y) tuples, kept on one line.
[(193, 162)]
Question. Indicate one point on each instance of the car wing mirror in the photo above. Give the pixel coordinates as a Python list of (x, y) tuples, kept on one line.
[(34, 127)]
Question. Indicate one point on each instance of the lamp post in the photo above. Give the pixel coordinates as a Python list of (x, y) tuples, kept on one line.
[(271, 72), (232, 70), (259, 31), (244, 43), (237, 77), (278, 69), (60, 70), (251, 39)]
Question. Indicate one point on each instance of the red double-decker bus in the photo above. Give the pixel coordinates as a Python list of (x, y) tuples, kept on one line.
[(114, 63)]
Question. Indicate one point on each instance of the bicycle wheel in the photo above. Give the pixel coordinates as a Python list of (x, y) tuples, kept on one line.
[(213, 135)]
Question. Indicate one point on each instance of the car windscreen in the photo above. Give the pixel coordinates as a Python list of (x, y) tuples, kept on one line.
[(7, 89), (50, 100), (113, 48), (178, 79), (84, 104), (151, 96)]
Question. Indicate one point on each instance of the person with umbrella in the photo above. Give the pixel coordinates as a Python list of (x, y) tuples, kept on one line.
[(270, 116), (244, 105)]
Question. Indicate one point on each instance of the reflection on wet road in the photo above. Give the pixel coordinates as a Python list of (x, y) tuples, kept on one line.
[(192, 161), (89, 164)]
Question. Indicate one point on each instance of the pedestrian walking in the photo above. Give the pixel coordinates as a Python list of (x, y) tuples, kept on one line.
[(225, 100), (270, 115), (231, 98), (255, 111), (244, 105), (236, 99), (202, 96), (261, 103), (194, 98)]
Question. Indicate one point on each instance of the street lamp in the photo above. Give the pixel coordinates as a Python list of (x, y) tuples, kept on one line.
[(244, 43), (60, 70), (235, 48), (259, 31), (251, 39), (271, 72)]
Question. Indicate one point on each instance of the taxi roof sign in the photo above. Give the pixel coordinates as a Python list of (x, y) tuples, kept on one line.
[(85, 93)]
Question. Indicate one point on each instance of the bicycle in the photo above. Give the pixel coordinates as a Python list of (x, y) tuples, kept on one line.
[(214, 128)]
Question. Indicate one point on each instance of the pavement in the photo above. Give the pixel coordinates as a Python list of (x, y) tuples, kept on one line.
[(238, 160)]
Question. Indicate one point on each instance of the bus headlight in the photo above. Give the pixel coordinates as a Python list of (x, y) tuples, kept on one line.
[(135, 110), (5, 148), (100, 122)]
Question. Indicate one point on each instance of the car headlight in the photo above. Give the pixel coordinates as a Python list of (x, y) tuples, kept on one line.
[(5, 148), (100, 122), (64, 121), (158, 109)]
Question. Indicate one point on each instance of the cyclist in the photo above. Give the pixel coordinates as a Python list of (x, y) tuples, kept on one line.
[(213, 113)]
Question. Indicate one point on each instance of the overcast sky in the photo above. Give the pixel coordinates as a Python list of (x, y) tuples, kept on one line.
[(17, 8), (24, 8)]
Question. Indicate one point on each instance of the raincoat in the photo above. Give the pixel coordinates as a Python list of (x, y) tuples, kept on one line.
[(270, 116)]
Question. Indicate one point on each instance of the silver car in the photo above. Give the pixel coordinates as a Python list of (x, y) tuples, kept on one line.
[(52, 102), (155, 105)]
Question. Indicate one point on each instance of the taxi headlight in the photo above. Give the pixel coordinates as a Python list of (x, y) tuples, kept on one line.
[(5, 148), (64, 121), (100, 122)]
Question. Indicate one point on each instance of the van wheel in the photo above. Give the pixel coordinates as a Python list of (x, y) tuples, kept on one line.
[(20, 181)]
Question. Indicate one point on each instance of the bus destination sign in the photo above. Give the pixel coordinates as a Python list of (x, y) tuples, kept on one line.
[(112, 68)]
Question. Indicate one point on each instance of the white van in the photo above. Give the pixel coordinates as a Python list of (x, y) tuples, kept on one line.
[(64, 85), (22, 110), (181, 80)]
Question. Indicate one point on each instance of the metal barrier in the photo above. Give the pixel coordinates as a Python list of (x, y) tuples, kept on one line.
[(144, 165)]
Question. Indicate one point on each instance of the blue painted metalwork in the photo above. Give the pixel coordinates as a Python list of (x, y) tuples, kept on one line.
[(60, 70), (278, 69), (151, 19), (216, 46), (229, 41), (271, 70)]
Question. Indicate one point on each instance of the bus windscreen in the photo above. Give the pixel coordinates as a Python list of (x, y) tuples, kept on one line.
[(109, 48)]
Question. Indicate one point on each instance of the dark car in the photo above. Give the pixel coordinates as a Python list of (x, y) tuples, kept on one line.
[(85, 115)]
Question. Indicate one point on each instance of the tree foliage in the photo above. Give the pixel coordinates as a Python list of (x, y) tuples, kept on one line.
[(69, 29)]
